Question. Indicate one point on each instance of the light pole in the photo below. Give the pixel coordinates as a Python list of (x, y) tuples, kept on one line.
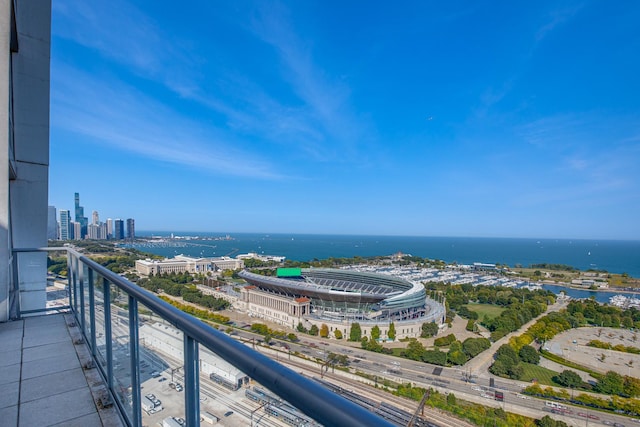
[(252, 412)]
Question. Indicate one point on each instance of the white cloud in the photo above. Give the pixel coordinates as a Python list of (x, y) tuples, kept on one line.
[(125, 35), (327, 101), (113, 113), (557, 17)]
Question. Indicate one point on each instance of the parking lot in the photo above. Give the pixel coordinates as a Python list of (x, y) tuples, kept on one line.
[(572, 345)]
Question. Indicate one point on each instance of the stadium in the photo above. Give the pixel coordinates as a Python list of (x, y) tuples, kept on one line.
[(340, 297)]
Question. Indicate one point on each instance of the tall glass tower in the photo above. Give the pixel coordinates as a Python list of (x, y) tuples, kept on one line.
[(52, 224), (80, 218), (131, 229), (66, 232), (119, 229)]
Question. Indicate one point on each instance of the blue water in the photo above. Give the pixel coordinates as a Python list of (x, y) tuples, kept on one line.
[(609, 255), (600, 296)]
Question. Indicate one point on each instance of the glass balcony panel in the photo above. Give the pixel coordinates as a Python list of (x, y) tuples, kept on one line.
[(57, 292), (101, 331), (222, 390), (121, 352), (87, 303), (161, 368), (75, 286)]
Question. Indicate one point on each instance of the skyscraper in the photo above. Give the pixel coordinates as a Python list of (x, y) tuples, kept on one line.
[(109, 228), (52, 224), (104, 233), (131, 228), (119, 229), (77, 231), (93, 231), (65, 225), (95, 219), (80, 218)]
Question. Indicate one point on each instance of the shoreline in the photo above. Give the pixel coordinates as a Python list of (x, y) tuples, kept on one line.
[(616, 257), (581, 288)]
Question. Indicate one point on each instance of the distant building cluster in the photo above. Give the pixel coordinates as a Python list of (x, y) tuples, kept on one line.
[(263, 258), (79, 228), (186, 264)]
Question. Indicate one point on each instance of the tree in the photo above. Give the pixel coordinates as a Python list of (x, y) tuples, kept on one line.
[(457, 357), (301, 328), (392, 331), (547, 421), (631, 385), (324, 331), (355, 333), (375, 333), (338, 334), (451, 399), (499, 368), (568, 379), (435, 356), (334, 359), (611, 383), (415, 350), (471, 324), (444, 341), (508, 354), (474, 346), (529, 354), (516, 372), (429, 330), (314, 330)]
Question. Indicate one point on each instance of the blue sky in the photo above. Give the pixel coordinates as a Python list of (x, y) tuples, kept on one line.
[(417, 118)]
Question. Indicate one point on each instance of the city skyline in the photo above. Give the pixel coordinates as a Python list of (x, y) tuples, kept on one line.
[(61, 227), (428, 120)]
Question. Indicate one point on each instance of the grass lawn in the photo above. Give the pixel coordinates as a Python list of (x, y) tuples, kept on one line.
[(489, 310), (543, 375)]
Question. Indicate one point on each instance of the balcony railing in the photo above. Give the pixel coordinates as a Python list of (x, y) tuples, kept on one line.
[(111, 312)]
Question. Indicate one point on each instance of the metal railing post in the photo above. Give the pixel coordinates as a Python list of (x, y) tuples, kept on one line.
[(15, 312), (107, 331), (92, 313), (134, 358), (80, 272), (191, 382), (73, 285), (69, 276)]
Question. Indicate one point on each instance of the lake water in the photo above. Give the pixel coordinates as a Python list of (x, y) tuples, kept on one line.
[(609, 255)]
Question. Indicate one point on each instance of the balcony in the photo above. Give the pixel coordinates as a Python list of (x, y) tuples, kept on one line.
[(43, 379), (144, 363)]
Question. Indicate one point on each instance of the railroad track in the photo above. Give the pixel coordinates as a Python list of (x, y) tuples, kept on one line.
[(395, 409)]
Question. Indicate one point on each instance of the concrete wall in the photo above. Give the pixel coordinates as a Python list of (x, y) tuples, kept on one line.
[(5, 35), (24, 199)]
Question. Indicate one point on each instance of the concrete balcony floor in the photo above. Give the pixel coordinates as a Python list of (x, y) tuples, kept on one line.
[(42, 380)]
